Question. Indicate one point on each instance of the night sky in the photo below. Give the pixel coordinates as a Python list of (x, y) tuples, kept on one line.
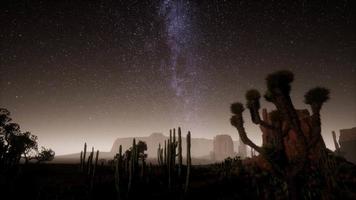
[(75, 71)]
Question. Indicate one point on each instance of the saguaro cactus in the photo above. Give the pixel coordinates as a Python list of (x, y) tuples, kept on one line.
[(169, 159), (189, 162), (90, 161), (81, 160), (132, 165), (84, 156), (95, 163), (118, 168), (165, 152), (160, 158), (92, 179), (180, 159), (174, 146)]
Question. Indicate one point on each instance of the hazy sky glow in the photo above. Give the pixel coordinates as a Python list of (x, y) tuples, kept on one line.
[(76, 71)]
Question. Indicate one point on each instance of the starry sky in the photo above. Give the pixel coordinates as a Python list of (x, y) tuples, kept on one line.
[(76, 71)]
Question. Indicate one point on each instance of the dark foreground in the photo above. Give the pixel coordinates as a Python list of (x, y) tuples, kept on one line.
[(66, 181)]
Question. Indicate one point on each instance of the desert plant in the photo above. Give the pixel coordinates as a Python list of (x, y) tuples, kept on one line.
[(118, 168), (14, 144), (189, 162), (82, 164), (283, 125), (180, 154), (46, 154)]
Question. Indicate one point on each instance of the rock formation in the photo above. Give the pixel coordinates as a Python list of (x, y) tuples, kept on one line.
[(347, 141), (223, 147)]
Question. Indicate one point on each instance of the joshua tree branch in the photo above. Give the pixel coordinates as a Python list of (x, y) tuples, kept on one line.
[(316, 126), (237, 121), (285, 106), (256, 119)]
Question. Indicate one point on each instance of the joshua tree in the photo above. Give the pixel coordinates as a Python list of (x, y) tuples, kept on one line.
[(291, 138)]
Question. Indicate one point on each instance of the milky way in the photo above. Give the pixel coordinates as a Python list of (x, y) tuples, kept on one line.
[(182, 64)]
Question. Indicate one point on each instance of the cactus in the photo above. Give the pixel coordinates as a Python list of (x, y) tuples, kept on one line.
[(95, 163), (84, 156), (132, 165), (160, 158), (189, 160), (174, 145), (94, 170), (90, 161), (81, 160), (179, 152), (159, 154), (165, 152), (118, 172), (169, 159)]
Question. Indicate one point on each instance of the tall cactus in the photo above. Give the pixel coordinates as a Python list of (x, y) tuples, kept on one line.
[(165, 152), (180, 159), (159, 154), (90, 161), (84, 156), (95, 163), (189, 162), (169, 159), (118, 168), (160, 158), (81, 160), (92, 179), (132, 165), (174, 146)]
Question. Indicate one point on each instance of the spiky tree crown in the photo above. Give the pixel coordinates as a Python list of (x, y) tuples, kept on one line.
[(253, 99), (268, 96), (237, 108), (318, 95), (253, 95), (280, 80)]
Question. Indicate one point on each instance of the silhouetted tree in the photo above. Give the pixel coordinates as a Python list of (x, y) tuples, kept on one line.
[(15, 144), (291, 138), (46, 154)]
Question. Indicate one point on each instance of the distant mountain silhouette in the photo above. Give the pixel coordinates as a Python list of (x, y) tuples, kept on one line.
[(201, 147)]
